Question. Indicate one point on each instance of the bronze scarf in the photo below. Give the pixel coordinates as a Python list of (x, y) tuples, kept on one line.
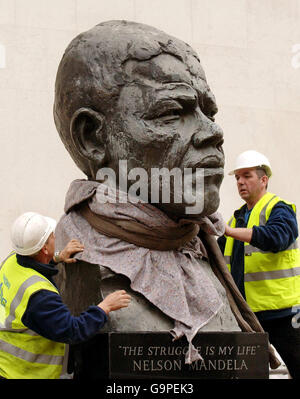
[(165, 238), (169, 238)]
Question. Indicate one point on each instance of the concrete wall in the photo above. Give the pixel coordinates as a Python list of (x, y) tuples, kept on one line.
[(250, 50)]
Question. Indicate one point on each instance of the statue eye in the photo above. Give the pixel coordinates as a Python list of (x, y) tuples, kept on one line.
[(171, 115), (165, 110), (168, 110)]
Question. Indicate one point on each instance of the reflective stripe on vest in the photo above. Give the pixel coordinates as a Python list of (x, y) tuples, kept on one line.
[(273, 274), (262, 215), (227, 260), (272, 280), (9, 256), (250, 249), (38, 356), (18, 298), (30, 357)]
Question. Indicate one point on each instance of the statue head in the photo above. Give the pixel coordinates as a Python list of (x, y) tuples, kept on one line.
[(127, 91)]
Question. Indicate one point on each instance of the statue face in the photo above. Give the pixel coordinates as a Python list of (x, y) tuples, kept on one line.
[(164, 118)]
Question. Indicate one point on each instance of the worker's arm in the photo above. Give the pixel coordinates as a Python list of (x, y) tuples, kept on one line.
[(280, 231), (49, 317), (239, 233)]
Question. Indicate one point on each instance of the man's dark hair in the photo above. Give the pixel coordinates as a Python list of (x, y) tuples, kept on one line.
[(261, 172)]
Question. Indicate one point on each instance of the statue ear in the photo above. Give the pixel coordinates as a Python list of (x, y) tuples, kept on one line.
[(88, 134)]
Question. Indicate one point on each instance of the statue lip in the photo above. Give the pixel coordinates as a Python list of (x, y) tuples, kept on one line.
[(211, 161), (214, 172)]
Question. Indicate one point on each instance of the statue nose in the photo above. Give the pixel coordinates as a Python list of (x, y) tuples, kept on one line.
[(210, 137)]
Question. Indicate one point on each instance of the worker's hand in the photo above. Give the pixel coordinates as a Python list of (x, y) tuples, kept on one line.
[(70, 249), (228, 230), (114, 301)]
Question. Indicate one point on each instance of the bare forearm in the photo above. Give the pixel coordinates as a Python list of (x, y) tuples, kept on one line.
[(239, 233)]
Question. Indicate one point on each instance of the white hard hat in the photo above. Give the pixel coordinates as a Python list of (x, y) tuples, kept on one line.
[(30, 232), (252, 159)]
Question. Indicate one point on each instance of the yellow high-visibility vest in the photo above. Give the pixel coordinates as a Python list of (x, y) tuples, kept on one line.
[(272, 280), (23, 353)]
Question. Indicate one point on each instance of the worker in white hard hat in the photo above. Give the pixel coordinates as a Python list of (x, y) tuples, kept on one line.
[(261, 250), (35, 325)]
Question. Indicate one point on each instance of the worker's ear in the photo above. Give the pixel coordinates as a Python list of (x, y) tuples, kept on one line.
[(87, 133), (265, 180), (44, 250)]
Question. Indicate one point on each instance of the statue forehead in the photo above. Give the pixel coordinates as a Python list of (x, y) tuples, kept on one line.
[(115, 43), (166, 69)]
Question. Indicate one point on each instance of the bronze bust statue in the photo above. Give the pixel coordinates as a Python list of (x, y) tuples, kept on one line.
[(129, 92)]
